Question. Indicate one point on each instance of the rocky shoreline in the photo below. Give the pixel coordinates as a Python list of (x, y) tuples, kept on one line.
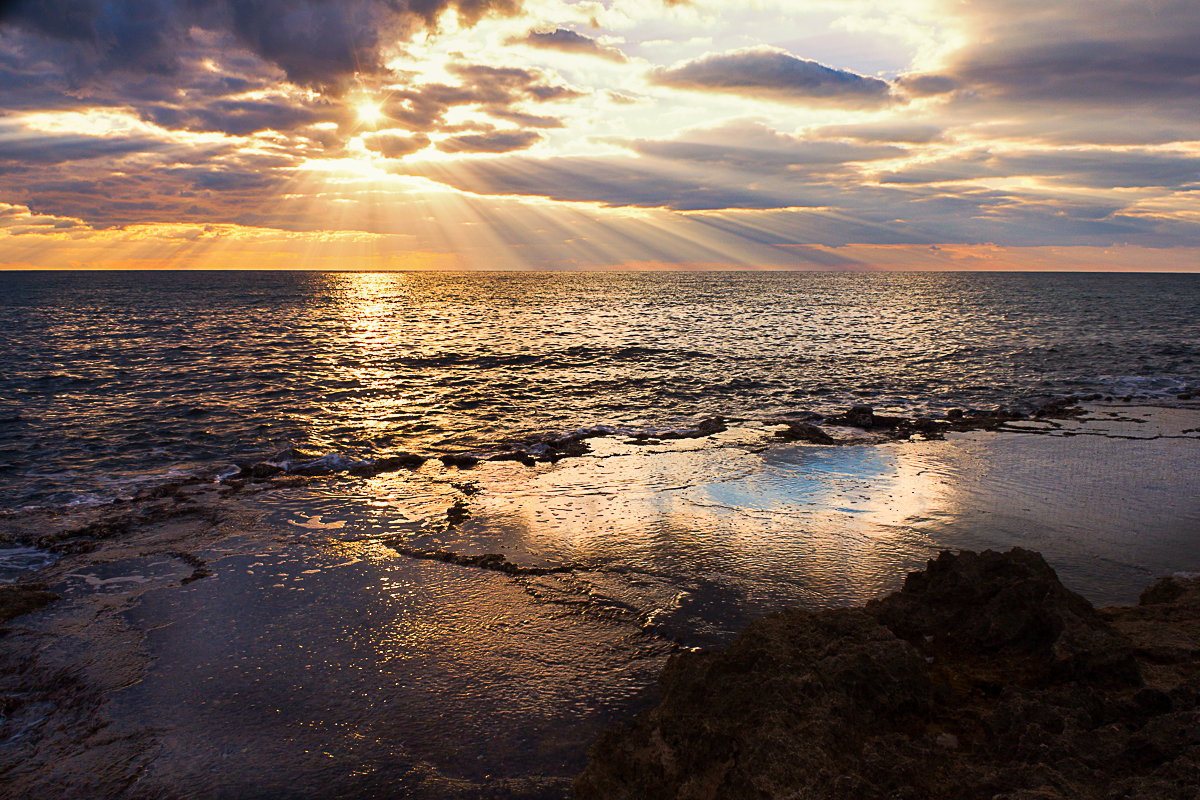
[(303, 544), (984, 677)]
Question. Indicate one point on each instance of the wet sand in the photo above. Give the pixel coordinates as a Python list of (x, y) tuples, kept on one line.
[(289, 639)]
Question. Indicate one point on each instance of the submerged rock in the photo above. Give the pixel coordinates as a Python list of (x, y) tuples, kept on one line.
[(495, 562), (705, 427), (1061, 407), (982, 678), (459, 460), (805, 432)]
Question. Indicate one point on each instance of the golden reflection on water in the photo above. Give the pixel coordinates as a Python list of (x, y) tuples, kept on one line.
[(840, 522)]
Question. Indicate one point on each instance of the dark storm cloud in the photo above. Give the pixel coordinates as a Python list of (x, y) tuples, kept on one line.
[(491, 142), (242, 193), (1089, 73), (19, 149), (568, 41), (1103, 52), (497, 90), (241, 117), (315, 42), (120, 179), (774, 74)]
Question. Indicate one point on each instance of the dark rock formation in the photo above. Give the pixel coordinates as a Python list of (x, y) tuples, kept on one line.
[(515, 455), (705, 427), (496, 562), (860, 416), (805, 432), (1062, 407), (392, 463), (889, 427), (460, 460), (983, 678), (1009, 612), (457, 513), (23, 598)]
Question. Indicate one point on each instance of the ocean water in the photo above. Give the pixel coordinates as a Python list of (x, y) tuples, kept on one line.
[(112, 380), (319, 655)]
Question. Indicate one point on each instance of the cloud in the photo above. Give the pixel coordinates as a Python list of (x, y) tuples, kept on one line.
[(621, 99), (495, 89), (315, 42), (617, 182), (1080, 168), (240, 117), (927, 85), (526, 120), (755, 147), (899, 131), (492, 142), (568, 41), (777, 75), (1099, 53), (393, 145)]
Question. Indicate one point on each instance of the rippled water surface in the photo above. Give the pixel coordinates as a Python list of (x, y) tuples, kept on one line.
[(110, 379)]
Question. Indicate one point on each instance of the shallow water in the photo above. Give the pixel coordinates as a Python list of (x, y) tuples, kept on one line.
[(111, 381), (318, 660)]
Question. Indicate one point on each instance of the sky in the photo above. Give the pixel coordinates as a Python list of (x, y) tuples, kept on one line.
[(627, 134)]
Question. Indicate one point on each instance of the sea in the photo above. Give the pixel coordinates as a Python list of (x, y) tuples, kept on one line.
[(110, 381), (460, 630)]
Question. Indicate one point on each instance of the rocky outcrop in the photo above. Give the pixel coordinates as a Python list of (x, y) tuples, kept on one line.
[(805, 432), (881, 426), (1006, 613), (22, 598), (495, 562), (982, 678)]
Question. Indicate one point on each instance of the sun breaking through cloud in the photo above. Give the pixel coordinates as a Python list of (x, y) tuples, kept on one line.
[(491, 134)]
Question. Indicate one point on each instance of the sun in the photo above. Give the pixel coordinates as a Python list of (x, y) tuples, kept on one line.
[(369, 113)]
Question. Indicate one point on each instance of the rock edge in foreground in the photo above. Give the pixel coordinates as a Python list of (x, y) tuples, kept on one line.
[(983, 677)]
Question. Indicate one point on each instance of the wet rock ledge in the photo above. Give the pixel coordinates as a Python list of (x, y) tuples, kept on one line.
[(983, 677)]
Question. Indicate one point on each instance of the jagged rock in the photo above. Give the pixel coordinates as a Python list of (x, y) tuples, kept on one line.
[(1165, 630), (294, 454), (457, 513), (22, 598), (805, 432), (1059, 407), (261, 471), (495, 562), (515, 455), (790, 697), (460, 460), (390, 463), (860, 416), (1009, 608), (1022, 690), (706, 427)]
